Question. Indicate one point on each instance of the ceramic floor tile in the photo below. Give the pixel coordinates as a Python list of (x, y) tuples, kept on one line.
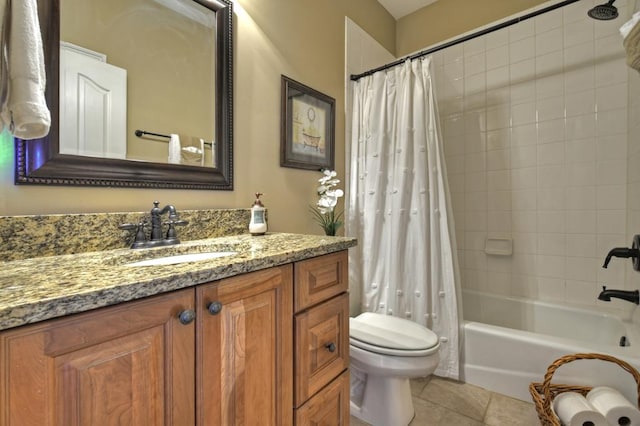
[(417, 385), (431, 414), (503, 410), (443, 402), (468, 400), (357, 422)]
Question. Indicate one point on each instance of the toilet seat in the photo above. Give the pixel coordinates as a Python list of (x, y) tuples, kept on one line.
[(387, 335)]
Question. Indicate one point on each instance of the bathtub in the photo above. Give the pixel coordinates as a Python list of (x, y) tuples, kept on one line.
[(509, 342)]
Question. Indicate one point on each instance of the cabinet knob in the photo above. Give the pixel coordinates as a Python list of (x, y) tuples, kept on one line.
[(331, 347), (214, 308), (187, 316)]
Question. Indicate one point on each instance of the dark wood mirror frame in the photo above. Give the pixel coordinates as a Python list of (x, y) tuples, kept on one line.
[(38, 162)]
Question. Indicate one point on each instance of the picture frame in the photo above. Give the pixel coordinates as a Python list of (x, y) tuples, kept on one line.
[(307, 127)]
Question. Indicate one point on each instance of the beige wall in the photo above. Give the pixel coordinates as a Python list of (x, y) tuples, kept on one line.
[(445, 19), (302, 39)]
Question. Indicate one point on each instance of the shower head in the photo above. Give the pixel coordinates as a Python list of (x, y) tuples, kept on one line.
[(604, 12)]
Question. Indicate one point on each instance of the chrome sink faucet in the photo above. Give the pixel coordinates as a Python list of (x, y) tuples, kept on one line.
[(157, 237), (156, 219)]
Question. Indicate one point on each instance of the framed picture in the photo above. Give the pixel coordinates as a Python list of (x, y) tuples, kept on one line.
[(307, 128)]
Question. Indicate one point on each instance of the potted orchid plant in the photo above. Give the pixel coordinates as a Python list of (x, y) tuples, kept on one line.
[(324, 210)]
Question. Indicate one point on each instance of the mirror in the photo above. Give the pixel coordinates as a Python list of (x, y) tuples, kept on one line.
[(41, 161)]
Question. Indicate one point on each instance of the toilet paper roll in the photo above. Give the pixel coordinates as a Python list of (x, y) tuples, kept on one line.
[(573, 409), (617, 409)]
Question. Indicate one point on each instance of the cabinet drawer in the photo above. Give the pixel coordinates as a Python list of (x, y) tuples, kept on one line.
[(329, 407), (322, 346), (320, 279)]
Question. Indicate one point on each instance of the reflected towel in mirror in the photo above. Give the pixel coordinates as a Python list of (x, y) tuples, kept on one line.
[(192, 155), (174, 149)]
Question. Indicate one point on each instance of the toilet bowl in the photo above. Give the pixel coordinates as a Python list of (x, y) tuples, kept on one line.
[(385, 353)]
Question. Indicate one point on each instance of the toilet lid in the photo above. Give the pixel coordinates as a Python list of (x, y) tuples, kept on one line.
[(370, 330)]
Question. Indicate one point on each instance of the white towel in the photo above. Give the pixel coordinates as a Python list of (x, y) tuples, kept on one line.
[(4, 72), (174, 149), (626, 28), (631, 33), (212, 146), (192, 155), (26, 108)]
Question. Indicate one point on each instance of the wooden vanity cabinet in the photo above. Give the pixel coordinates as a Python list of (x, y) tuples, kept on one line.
[(321, 325), (245, 350), (217, 354), (138, 364), (130, 364)]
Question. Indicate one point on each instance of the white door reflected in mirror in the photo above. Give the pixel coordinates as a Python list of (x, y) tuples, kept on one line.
[(93, 104)]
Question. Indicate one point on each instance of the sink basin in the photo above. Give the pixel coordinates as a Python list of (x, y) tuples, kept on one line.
[(181, 258)]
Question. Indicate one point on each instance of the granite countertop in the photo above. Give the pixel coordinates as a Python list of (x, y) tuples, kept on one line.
[(37, 289)]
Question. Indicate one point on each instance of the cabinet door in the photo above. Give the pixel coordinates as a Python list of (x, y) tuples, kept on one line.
[(131, 364), (245, 350), (329, 407), (322, 345)]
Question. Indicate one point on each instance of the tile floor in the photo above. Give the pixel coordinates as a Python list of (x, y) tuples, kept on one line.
[(442, 402)]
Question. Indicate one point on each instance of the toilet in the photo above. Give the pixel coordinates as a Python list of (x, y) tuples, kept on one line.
[(385, 353)]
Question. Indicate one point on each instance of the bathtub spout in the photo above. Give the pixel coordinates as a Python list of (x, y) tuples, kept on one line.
[(630, 296)]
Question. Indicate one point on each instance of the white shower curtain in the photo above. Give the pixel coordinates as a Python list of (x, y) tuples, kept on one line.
[(398, 206)]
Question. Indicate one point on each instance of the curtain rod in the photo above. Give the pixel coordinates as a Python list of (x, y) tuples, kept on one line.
[(355, 77)]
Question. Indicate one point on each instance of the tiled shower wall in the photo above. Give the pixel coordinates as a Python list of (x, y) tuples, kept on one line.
[(633, 165), (535, 121)]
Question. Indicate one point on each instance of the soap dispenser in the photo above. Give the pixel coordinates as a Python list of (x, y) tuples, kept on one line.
[(258, 222)]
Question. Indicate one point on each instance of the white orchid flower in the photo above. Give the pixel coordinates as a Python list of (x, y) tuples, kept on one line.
[(324, 205), (327, 178), (327, 202), (337, 193)]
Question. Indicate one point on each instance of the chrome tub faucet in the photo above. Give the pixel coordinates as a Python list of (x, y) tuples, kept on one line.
[(629, 296)]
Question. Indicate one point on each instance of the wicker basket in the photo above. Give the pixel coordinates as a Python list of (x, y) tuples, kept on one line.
[(543, 393)]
